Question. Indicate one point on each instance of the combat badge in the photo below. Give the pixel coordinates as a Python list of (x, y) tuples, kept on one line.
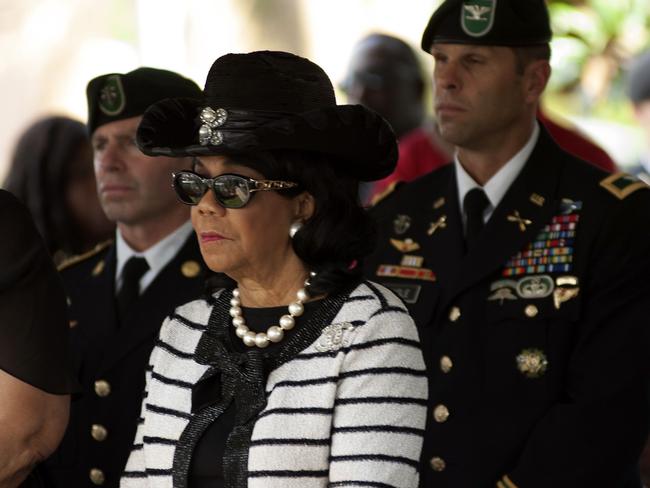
[(532, 363), (568, 206)]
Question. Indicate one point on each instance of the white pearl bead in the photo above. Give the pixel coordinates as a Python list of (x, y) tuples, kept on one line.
[(275, 334), (249, 338), (235, 302), (235, 293), (261, 340), (296, 309), (235, 312), (302, 295), (238, 321), (287, 322), (241, 331)]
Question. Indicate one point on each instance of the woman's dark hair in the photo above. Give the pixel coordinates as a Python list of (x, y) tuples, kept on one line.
[(340, 233), (38, 175)]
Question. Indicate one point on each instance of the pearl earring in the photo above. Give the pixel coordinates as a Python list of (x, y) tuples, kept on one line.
[(295, 227)]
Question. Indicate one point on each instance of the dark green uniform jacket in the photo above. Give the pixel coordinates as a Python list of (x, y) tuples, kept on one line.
[(536, 342), (110, 361)]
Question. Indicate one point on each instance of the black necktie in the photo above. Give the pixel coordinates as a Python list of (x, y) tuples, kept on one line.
[(474, 205), (133, 270)]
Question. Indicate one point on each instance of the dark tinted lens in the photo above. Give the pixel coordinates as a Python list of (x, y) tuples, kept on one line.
[(189, 188), (231, 191)]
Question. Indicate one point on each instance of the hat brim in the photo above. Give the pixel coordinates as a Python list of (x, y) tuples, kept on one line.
[(359, 141)]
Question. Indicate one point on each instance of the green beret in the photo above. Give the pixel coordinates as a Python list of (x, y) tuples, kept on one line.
[(489, 23), (117, 96)]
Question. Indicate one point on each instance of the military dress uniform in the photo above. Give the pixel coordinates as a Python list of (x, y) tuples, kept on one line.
[(110, 359), (535, 340)]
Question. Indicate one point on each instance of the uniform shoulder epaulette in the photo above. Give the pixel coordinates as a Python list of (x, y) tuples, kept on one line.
[(72, 260), (621, 184), (382, 195)]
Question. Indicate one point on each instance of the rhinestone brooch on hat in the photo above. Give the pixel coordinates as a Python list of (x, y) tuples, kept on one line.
[(211, 120)]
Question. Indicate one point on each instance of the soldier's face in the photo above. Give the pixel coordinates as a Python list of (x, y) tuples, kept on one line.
[(479, 94), (133, 188)]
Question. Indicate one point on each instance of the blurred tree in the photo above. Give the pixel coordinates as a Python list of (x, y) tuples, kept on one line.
[(593, 40)]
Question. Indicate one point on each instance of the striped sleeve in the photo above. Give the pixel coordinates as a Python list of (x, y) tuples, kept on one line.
[(380, 407), (135, 475)]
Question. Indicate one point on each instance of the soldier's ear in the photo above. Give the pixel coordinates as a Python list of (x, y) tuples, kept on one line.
[(536, 76)]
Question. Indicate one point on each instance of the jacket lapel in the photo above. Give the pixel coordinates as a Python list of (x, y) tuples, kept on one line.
[(525, 208), (172, 287)]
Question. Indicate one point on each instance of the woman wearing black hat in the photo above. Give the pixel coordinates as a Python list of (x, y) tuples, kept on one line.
[(294, 371)]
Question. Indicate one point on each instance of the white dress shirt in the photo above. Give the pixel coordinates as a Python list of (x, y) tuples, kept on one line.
[(157, 256), (498, 185)]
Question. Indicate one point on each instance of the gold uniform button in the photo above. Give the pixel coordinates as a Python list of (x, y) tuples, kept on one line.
[(531, 311), (190, 269), (454, 314), (441, 413), (102, 388), (97, 476), (438, 464), (446, 364), (98, 432)]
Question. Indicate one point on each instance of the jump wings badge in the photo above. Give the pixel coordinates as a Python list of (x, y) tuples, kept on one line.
[(477, 17)]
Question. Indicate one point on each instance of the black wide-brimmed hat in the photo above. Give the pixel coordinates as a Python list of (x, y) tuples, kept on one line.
[(265, 101), (117, 96), (489, 22)]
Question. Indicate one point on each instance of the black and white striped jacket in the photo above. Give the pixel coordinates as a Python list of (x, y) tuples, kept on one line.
[(347, 411)]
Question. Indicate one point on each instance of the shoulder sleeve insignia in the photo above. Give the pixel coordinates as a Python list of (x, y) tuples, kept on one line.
[(622, 185), (82, 257), (381, 196)]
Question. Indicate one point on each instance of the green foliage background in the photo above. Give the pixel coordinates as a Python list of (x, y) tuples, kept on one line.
[(594, 41)]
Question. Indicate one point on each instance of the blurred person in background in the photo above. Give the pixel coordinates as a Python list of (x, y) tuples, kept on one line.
[(34, 374), (51, 172), (119, 293), (638, 90), (385, 75)]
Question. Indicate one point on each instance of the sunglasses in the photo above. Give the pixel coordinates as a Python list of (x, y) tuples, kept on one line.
[(230, 190)]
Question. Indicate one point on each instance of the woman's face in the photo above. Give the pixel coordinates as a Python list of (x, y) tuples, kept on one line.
[(251, 242)]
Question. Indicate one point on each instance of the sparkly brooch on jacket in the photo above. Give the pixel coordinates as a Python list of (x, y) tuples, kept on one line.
[(334, 337)]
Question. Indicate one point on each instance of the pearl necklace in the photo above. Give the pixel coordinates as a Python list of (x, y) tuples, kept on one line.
[(274, 333)]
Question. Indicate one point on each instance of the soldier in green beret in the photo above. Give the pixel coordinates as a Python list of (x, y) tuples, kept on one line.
[(526, 271), (119, 293)]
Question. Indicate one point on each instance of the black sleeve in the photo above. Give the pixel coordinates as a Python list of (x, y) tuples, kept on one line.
[(595, 436), (33, 321)]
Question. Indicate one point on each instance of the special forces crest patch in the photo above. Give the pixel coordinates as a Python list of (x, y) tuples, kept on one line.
[(477, 17), (111, 98)]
